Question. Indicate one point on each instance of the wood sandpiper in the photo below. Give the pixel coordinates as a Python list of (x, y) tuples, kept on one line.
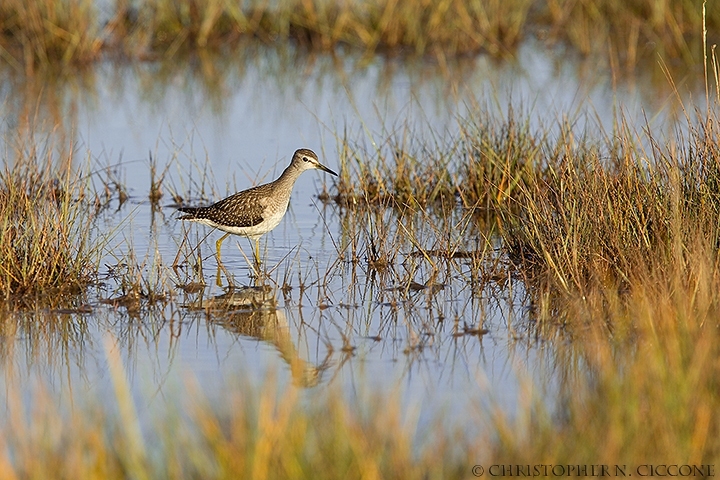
[(257, 210)]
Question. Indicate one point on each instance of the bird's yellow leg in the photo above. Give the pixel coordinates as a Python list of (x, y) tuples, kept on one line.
[(218, 244), (257, 255)]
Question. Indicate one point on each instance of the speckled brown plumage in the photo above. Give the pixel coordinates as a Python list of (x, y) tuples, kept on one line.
[(243, 209)]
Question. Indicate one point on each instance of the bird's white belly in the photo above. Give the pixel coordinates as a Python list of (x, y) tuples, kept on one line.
[(270, 221)]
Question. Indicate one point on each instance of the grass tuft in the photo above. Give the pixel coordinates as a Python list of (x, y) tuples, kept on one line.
[(611, 214), (46, 245)]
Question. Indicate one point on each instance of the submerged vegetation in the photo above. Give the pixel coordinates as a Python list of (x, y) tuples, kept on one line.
[(45, 32)]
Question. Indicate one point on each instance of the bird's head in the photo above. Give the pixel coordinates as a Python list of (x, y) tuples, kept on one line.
[(306, 159)]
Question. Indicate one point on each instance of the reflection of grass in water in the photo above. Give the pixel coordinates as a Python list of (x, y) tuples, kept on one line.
[(204, 80), (46, 104)]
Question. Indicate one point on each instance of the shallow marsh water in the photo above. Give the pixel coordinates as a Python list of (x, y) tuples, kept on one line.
[(214, 126)]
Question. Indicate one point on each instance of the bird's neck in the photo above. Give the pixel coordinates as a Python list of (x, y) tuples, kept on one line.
[(289, 175)]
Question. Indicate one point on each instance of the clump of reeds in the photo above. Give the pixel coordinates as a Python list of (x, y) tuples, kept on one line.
[(496, 161), (397, 175), (46, 32), (46, 243), (610, 214), (482, 167)]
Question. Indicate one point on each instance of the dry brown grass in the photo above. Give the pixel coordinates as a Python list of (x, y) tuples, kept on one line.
[(47, 248)]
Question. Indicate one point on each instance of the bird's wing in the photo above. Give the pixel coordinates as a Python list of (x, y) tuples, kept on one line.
[(240, 210)]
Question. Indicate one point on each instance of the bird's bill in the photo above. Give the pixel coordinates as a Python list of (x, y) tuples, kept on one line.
[(325, 169)]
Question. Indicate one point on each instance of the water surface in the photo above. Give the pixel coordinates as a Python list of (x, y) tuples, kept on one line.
[(217, 125)]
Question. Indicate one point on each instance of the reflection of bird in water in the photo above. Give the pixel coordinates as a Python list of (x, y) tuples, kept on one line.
[(255, 211), (253, 312)]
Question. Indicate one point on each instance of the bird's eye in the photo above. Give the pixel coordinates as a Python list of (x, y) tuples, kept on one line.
[(305, 159)]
